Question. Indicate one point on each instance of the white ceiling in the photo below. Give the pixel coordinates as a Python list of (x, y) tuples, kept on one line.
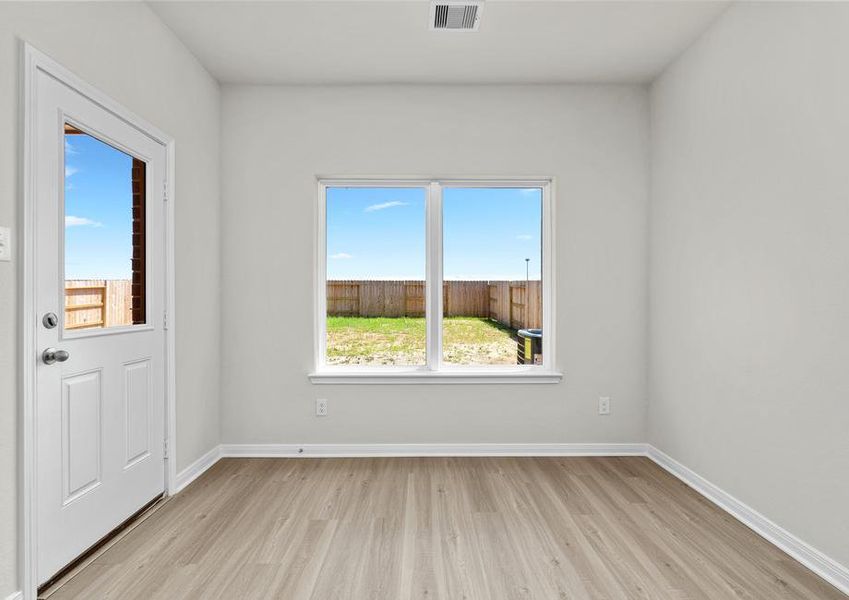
[(519, 41)]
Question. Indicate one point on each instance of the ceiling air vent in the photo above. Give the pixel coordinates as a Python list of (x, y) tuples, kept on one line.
[(448, 15)]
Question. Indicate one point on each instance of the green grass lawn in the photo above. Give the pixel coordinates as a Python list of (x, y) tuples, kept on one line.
[(401, 341)]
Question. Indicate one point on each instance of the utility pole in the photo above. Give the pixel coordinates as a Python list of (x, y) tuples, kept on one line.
[(527, 289)]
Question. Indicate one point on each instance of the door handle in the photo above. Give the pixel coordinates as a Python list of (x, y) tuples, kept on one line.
[(52, 355)]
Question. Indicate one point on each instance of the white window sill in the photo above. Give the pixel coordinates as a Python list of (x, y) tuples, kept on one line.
[(530, 376)]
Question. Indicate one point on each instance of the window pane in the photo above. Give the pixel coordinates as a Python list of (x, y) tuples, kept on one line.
[(104, 234), (492, 272), (375, 276)]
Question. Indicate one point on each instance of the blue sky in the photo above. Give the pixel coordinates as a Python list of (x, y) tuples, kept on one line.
[(379, 233), (98, 210)]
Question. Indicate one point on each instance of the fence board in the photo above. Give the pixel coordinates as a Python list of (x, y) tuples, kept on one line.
[(534, 305), (414, 298), (466, 299), (371, 299), (517, 306), (343, 298), (98, 303)]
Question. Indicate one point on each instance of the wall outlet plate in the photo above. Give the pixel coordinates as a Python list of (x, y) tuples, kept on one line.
[(5, 244), (321, 407), (604, 405)]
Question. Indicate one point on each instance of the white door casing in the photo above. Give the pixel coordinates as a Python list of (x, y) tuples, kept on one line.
[(99, 416)]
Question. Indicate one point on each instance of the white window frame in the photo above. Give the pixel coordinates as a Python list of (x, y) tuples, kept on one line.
[(435, 371)]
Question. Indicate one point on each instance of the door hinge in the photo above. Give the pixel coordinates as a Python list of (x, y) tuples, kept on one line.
[(165, 320), (165, 190), (165, 449)]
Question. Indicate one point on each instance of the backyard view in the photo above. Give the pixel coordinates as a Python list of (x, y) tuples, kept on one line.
[(376, 265)]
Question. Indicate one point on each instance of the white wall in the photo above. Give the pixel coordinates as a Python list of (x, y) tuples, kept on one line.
[(124, 50), (275, 140), (749, 294)]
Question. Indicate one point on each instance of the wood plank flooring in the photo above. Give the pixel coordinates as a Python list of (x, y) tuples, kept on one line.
[(442, 528)]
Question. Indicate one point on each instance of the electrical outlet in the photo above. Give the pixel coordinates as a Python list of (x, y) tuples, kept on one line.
[(604, 405), (321, 407)]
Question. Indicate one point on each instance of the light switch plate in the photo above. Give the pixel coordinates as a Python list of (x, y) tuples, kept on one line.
[(5, 244)]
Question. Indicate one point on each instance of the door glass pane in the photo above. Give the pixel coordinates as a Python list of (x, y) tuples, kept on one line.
[(492, 273), (375, 276), (104, 234)]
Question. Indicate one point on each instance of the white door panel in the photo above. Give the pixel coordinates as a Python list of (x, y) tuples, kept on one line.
[(100, 414), (137, 405), (81, 425)]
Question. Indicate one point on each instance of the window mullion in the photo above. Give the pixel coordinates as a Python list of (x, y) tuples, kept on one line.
[(433, 285)]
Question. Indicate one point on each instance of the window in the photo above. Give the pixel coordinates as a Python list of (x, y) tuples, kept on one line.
[(440, 281)]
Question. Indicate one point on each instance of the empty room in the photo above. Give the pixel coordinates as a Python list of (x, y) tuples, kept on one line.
[(424, 299)]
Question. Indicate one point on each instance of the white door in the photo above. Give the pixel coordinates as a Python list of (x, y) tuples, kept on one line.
[(99, 272)]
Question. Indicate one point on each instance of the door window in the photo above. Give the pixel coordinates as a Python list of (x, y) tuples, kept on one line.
[(105, 274)]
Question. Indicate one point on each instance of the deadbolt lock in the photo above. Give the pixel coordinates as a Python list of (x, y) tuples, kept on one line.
[(50, 320)]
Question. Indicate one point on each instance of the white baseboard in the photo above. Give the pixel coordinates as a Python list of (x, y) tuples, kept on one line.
[(15, 596), (196, 469), (830, 570), (412, 450)]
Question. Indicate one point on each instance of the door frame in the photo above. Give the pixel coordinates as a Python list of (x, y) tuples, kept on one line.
[(34, 61)]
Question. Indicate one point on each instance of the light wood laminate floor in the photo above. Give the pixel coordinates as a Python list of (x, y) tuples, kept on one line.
[(442, 528)]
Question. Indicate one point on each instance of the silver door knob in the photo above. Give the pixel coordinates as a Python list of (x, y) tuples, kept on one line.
[(52, 355)]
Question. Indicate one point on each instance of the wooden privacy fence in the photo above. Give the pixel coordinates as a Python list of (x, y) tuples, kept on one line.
[(516, 304), (98, 303)]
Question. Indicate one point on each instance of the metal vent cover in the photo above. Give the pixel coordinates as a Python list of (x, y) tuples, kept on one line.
[(449, 15)]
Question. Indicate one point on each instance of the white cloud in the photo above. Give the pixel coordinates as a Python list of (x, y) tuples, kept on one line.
[(69, 170), (69, 149), (340, 256), (390, 204), (529, 191), (72, 221), (524, 236)]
